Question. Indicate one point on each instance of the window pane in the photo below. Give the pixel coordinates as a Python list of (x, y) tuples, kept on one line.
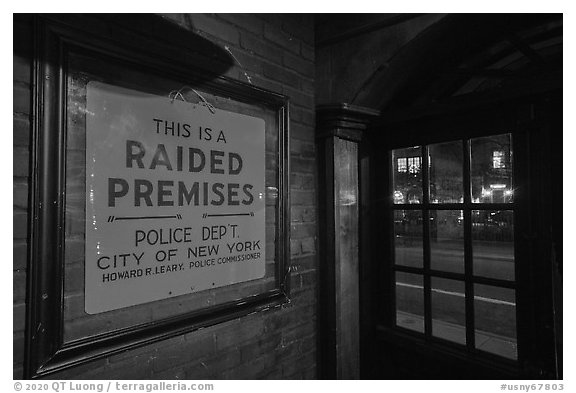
[(491, 169), (408, 244), (495, 320), (448, 310), (447, 240), (493, 243), (409, 301), (407, 175), (446, 173)]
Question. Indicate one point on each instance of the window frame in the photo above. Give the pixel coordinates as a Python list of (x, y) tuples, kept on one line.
[(426, 272), (55, 37), (413, 129)]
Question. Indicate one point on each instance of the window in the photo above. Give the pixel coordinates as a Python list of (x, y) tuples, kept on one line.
[(453, 244), (414, 164), (402, 165), (498, 159)]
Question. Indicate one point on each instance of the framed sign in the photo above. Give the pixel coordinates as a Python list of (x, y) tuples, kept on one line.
[(160, 194), (175, 198)]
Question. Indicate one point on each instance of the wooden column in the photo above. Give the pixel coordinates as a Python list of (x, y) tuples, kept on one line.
[(340, 129)]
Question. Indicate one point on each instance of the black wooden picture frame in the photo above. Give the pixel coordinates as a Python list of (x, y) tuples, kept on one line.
[(55, 38)]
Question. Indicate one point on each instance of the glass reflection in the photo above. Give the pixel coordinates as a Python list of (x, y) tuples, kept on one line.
[(495, 320), (407, 175), (491, 169), (447, 240), (448, 310), (446, 180), (410, 301), (408, 244), (493, 243)]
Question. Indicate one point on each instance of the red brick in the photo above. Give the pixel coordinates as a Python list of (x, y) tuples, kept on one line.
[(274, 374), (306, 149), (300, 29), (216, 365), (251, 370), (299, 97), (262, 345), (245, 330), (245, 21), (308, 246), (302, 230), (266, 84), (19, 317), (18, 348), (274, 34), (301, 132), (198, 372), (130, 369), (305, 279), (263, 49), (307, 86), (303, 198), (87, 326), (302, 115), (21, 98), (310, 372), (247, 62), (21, 162), (20, 194), (75, 221), (303, 263), (21, 131), (303, 181), (171, 374), (74, 249), (182, 353), (20, 256), (307, 51), (246, 347), (302, 66), (18, 372), (74, 277), (302, 165), (280, 74), (295, 247), (21, 68), (215, 28), (290, 316), (20, 225), (303, 214)]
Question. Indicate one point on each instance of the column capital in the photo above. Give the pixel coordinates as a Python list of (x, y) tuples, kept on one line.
[(343, 120)]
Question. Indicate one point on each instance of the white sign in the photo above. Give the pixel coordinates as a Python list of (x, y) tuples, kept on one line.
[(174, 198)]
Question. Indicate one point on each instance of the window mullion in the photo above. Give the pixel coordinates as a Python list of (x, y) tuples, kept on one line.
[(468, 262), (426, 243)]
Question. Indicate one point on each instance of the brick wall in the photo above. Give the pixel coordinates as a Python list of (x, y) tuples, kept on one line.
[(276, 52), (21, 139)]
